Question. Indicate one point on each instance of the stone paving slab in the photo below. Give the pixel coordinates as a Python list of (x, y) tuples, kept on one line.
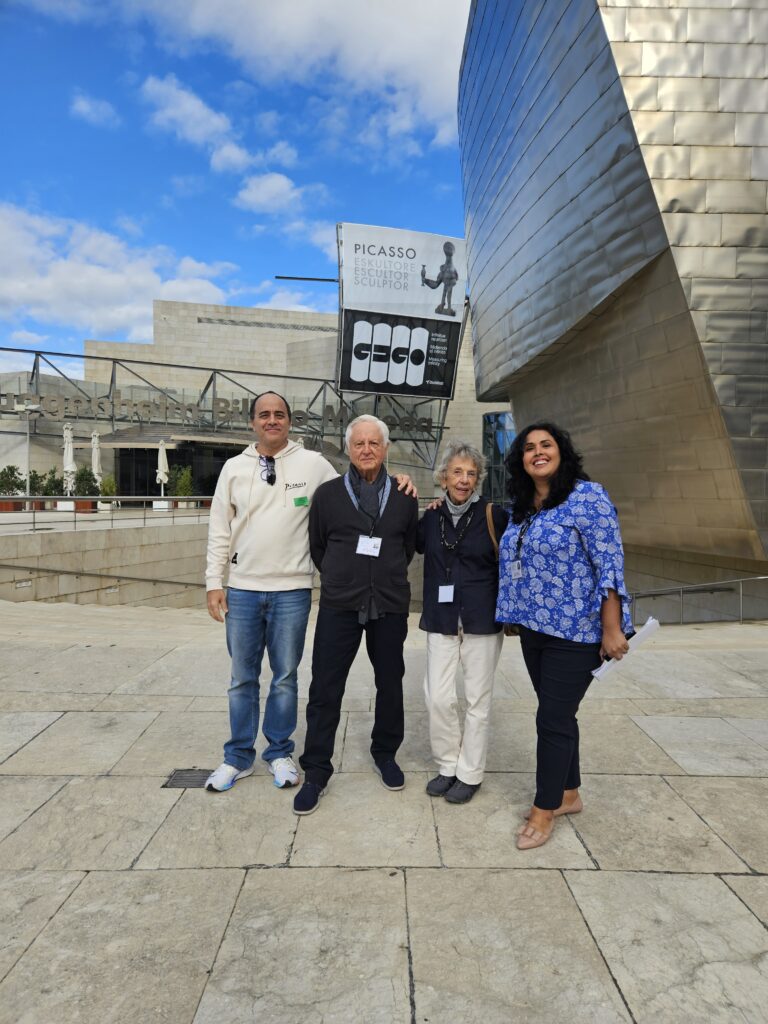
[(20, 797), (140, 702), (176, 740), (706, 746), (18, 659), (79, 743), (691, 676), (90, 824), (192, 670), (28, 900), (356, 750), (126, 946), (753, 891), (313, 945), (638, 823), (715, 707), (756, 729), (251, 824), (17, 728), (735, 809), (26, 700), (87, 668), (682, 948), (473, 939), (483, 833), (360, 823)]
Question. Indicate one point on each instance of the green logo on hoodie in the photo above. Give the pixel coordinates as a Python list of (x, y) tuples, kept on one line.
[(301, 501)]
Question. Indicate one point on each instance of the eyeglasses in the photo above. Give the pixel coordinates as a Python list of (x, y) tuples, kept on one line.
[(268, 473)]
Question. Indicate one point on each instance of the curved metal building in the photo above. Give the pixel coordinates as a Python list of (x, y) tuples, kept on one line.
[(615, 164)]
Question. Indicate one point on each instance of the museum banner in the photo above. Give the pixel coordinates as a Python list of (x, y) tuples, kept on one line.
[(402, 310)]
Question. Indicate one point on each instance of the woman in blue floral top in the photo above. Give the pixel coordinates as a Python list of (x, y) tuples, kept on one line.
[(561, 580)]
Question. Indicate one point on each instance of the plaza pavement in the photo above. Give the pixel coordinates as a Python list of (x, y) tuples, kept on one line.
[(122, 901)]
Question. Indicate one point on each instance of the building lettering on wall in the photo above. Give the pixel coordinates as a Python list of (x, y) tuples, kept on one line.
[(223, 411)]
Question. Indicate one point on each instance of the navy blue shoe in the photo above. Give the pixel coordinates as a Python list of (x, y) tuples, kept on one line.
[(308, 797), (390, 773)]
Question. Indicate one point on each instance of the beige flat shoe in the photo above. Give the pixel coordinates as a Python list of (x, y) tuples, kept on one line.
[(529, 838)]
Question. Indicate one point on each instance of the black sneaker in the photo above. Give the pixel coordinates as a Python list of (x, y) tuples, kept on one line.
[(461, 792), (390, 773), (440, 785), (308, 797)]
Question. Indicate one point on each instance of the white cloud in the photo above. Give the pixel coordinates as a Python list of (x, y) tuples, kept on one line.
[(129, 226), (187, 267), (393, 53), (285, 298), (269, 193), (27, 339), (282, 153), (320, 233), (96, 112), (60, 272), (230, 157), (181, 112)]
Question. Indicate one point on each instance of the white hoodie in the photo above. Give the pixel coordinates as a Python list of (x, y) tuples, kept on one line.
[(262, 530)]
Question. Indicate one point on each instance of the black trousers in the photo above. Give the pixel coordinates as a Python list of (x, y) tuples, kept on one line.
[(561, 671), (337, 640)]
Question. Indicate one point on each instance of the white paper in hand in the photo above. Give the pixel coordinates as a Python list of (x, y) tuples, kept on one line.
[(643, 634)]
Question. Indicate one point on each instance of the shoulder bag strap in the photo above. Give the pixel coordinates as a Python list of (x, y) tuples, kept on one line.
[(491, 527)]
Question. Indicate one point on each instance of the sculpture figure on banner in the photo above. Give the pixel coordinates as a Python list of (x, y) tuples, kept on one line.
[(448, 277)]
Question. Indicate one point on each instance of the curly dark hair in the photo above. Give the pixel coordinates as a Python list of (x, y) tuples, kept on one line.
[(520, 487)]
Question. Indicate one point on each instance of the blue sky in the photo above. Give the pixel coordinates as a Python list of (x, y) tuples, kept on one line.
[(192, 149)]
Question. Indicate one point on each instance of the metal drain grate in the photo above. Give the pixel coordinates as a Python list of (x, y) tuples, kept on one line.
[(187, 778)]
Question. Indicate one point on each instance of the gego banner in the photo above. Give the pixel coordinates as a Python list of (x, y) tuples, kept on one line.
[(402, 297)]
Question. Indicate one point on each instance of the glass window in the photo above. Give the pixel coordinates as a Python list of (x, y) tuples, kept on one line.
[(498, 435)]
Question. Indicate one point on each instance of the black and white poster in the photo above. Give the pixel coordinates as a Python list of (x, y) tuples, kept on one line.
[(402, 298)]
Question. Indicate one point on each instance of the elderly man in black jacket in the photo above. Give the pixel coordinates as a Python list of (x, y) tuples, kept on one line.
[(362, 536)]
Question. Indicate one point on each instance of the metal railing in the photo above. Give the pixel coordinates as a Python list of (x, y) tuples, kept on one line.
[(115, 577), (21, 514), (755, 595)]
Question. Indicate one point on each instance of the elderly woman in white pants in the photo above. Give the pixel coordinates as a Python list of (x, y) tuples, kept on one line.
[(461, 578)]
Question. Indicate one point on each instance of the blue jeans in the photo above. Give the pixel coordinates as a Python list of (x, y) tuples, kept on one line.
[(277, 621)]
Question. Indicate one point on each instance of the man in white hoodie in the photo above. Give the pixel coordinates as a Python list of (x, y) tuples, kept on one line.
[(259, 526)]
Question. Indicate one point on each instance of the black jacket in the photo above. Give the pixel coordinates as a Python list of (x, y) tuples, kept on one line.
[(348, 579), (474, 570)]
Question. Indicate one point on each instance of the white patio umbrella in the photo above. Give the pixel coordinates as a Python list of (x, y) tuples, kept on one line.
[(69, 465), (162, 468), (96, 456)]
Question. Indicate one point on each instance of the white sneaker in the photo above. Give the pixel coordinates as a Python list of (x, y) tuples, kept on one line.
[(225, 777), (285, 771)]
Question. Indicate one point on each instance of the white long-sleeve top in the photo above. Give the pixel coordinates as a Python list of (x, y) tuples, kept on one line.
[(261, 531)]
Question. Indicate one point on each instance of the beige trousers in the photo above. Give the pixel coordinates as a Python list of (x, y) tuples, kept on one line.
[(462, 756)]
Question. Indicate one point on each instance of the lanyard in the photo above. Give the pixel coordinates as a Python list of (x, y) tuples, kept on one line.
[(523, 530)]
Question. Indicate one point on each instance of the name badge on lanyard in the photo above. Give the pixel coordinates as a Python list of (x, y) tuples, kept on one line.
[(517, 569), (370, 546), (445, 594)]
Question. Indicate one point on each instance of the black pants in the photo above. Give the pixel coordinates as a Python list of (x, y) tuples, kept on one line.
[(561, 671), (337, 640)]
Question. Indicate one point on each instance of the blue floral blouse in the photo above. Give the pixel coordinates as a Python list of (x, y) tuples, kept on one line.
[(571, 557)]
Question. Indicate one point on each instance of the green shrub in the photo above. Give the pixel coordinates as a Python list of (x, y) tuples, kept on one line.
[(180, 481), (36, 482), (108, 486), (11, 480), (85, 482), (52, 484)]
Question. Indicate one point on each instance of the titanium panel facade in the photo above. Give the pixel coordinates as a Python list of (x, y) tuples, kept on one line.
[(615, 167)]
